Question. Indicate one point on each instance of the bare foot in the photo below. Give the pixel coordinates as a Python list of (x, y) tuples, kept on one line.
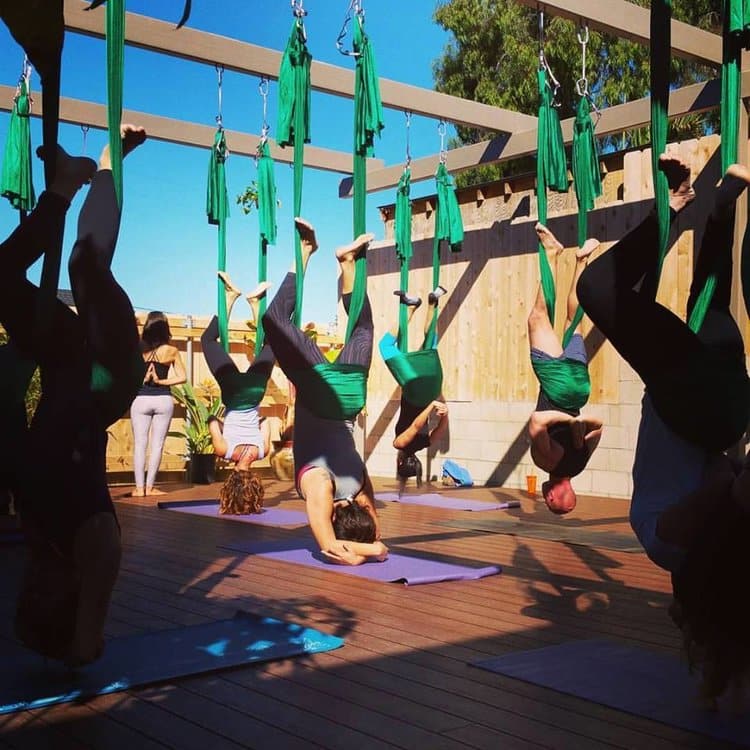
[(259, 291), (132, 136), (306, 234), (582, 253), (551, 244), (355, 247), (138, 493), (681, 191), (230, 289), (71, 172), (154, 491)]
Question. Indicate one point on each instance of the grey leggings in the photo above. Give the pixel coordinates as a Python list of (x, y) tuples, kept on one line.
[(154, 413)]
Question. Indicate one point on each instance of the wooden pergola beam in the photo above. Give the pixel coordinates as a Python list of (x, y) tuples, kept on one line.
[(693, 99), (211, 49), (629, 21), (78, 112)]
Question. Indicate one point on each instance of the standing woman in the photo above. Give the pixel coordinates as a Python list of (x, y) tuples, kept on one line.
[(153, 407)]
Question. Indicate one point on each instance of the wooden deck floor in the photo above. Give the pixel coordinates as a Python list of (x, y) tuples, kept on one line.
[(403, 678)]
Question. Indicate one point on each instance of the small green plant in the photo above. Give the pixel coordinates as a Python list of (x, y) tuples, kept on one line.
[(249, 199), (199, 408)]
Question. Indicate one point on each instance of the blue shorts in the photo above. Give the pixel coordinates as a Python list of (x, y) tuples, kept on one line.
[(575, 350)]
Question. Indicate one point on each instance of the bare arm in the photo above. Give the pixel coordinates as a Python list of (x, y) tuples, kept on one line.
[(545, 452), (404, 439)]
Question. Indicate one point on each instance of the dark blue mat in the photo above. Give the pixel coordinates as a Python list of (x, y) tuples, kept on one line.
[(653, 685), (26, 681)]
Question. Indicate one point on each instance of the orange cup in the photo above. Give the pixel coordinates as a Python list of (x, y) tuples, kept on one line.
[(531, 484)]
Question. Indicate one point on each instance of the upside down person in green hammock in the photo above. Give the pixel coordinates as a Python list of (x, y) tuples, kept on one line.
[(331, 475), (420, 375), (562, 441), (240, 437)]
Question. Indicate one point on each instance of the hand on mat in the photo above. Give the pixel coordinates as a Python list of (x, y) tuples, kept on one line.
[(381, 552), (341, 556)]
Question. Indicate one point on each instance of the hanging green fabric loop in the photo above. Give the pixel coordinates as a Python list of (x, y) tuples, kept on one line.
[(449, 227), (420, 375), (267, 227), (217, 210), (242, 390), (661, 47), (368, 122), (565, 382), (115, 70), (16, 183), (332, 390), (404, 250), (293, 128), (551, 172)]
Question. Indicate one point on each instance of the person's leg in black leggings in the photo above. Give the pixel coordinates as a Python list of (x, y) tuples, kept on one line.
[(104, 307), (293, 349), (358, 350), (218, 361)]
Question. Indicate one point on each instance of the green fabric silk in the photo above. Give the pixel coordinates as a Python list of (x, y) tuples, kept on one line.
[(448, 226), (404, 250), (737, 17), (242, 390), (217, 210), (331, 390), (587, 181), (293, 128), (565, 381), (115, 70), (551, 172), (661, 46), (267, 223), (420, 375), (16, 183), (368, 122)]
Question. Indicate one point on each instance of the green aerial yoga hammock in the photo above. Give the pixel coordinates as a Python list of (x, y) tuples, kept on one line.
[(266, 185), (368, 122), (420, 375), (565, 381), (242, 390), (551, 172), (448, 226), (217, 209), (115, 68), (587, 182), (294, 127), (333, 391), (16, 183), (404, 250)]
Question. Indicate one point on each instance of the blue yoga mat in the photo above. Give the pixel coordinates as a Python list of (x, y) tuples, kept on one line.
[(398, 568), (267, 517), (27, 681), (641, 682)]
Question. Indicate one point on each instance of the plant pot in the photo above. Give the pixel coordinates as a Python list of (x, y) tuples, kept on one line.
[(282, 460), (202, 468)]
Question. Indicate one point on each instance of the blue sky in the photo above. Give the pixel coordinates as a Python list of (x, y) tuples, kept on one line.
[(166, 255)]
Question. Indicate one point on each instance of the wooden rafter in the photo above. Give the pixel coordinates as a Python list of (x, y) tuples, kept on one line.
[(78, 112)]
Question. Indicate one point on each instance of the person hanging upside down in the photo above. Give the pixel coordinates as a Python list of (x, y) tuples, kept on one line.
[(331, 475), (241, 437), (562, 441), (91, 368), (690, 507), (420, 376)]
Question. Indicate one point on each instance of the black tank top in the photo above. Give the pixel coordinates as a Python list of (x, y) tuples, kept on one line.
[(162, 370)]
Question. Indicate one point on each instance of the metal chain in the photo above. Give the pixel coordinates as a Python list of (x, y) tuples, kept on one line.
[(219, 82), (582, 84), (441, 132), (408, 137)]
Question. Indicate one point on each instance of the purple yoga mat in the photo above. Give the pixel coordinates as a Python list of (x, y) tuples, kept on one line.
[(398, 568), (435, 500), (269, 516)]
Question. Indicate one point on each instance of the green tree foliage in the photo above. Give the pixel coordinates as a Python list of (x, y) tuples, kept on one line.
[(494, 54)]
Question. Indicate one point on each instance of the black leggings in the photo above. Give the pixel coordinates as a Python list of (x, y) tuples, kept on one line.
[(221, 364), (682, 370), (296, 351)]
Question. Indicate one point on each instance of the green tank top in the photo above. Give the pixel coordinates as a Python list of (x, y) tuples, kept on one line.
[(331, 390), (419, 374), (565, 381)]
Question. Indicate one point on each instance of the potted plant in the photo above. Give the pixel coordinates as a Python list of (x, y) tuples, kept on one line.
[(199, 408)]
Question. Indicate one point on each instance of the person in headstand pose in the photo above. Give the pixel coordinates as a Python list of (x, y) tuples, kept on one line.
[(91, 367), (240, 437), (690, 507), (562, 440), (331, 475), (420, 375)]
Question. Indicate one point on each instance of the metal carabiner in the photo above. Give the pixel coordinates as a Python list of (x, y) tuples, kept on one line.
[(441, 132), (408, 115)]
